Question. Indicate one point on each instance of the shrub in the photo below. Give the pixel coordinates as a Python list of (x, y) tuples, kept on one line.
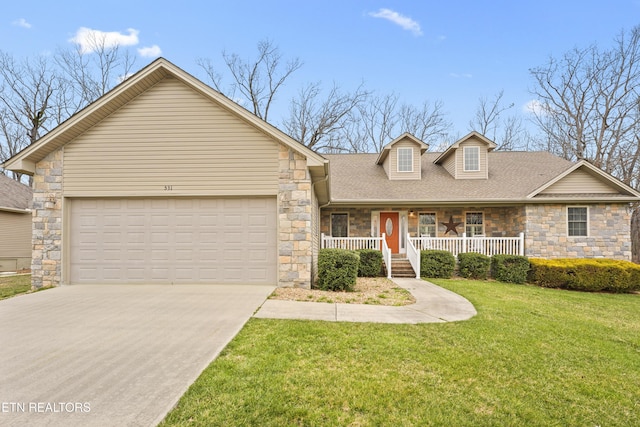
[(510, 268), (370, 263), (586, 274), (337, 269), (437, 264), (473, 265)]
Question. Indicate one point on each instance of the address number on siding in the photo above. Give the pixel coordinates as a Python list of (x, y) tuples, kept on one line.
[(168, 187)]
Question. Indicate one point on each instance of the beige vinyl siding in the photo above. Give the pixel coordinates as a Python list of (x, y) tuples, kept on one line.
[(171, 141), (580, 182), (393, 161), (15, 235), (480, 174), (449, 165)]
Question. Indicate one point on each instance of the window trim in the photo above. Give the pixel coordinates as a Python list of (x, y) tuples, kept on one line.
[(410, 149), (331, 223), (435, 224), (587, 224), (466, 224), (465, 156)]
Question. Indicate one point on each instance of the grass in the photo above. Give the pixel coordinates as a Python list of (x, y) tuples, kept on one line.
[(14, 285), (531, 357)]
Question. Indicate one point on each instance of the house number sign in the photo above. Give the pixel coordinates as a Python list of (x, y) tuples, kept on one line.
[(168, 187)]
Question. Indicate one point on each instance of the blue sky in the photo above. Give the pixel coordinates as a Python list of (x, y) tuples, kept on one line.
[(455, 51)]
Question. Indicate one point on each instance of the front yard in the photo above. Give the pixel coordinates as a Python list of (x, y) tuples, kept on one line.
[(532, 356)]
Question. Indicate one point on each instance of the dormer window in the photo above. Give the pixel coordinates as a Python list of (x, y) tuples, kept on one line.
[(405, 159), (471, 159)]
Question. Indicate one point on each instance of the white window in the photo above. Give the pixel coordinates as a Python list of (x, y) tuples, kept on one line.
[(405, 159), (577, 221), (474, 224), (471, 159), (339, 225), (427, 224)]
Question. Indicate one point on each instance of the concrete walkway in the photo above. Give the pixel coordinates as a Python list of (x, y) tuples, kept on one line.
[(433, 304)]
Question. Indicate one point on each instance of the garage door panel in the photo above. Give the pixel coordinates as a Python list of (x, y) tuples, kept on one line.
[(173, 240)]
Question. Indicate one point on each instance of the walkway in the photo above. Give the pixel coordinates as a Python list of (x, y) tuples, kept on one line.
[(433, 305)]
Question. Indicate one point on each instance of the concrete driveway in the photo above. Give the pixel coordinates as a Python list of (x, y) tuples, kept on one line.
[(112, 355)]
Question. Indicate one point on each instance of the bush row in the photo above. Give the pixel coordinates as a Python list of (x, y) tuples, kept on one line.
[(472, 265), (585, 274), (339, 268)]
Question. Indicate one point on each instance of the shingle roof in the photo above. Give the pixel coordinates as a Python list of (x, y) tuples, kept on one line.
[(512, 176), (14, 195)]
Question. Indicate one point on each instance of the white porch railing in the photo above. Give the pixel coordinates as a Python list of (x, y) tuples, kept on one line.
[(355, 243), (413, 255), (485, 245)]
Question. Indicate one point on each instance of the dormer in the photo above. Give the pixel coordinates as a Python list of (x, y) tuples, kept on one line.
[(400, 158), (467, 158)]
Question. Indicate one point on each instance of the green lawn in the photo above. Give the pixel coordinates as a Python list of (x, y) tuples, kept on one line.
[(531, 357), (14, 285)]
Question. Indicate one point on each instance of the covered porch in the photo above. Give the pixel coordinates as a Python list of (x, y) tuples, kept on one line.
[(401, 233)]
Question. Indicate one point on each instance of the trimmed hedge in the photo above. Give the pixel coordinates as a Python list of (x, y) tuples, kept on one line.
[(510, 268), (472, 265), (437, 264), (337, 269), (585, 274), (370, 263)]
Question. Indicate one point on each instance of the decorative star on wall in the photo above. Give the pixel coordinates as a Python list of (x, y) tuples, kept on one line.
[(451, 226)]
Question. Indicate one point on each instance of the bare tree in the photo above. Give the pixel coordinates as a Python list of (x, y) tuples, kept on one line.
[(427, 123), (508, 132), (26, 95), (323, 124), (258, 80), (589, 105), (89, 71)]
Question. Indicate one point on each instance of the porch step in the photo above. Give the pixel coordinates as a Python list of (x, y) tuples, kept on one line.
[(401, 267)]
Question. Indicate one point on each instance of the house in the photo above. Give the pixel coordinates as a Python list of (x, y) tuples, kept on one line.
[(15, 225), (165, 180)]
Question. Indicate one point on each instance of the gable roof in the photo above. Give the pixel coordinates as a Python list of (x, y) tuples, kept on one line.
[(14, 196), (387, 148), (453, 147), (357, 179), (79, 123), (601, 176)]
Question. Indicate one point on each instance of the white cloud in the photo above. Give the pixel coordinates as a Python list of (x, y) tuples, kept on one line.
[(90, 40), (150, 52), (404, 21), (535, 107), (21, 23)]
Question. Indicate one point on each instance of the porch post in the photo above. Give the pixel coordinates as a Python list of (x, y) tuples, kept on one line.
[(464, 242), (521, 247), (321, 240)]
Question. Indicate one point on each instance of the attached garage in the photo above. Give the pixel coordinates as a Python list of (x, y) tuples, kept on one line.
[(163, 180), (173, 241)]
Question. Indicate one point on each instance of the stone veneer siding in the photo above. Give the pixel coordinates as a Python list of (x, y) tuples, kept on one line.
[(46, 267), (295, 252), (609, 232), (498, 221)]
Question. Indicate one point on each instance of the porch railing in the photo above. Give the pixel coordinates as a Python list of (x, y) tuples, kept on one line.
[(413, 255), (485, 245), (355, 243)]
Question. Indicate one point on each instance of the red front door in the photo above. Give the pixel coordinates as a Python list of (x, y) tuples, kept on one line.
[(390, 226)]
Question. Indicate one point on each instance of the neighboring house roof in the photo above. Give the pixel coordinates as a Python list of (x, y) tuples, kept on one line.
[(513, 177), (14, 196)]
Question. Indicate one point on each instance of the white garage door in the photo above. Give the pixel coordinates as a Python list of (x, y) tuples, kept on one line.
[(172, 241)]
